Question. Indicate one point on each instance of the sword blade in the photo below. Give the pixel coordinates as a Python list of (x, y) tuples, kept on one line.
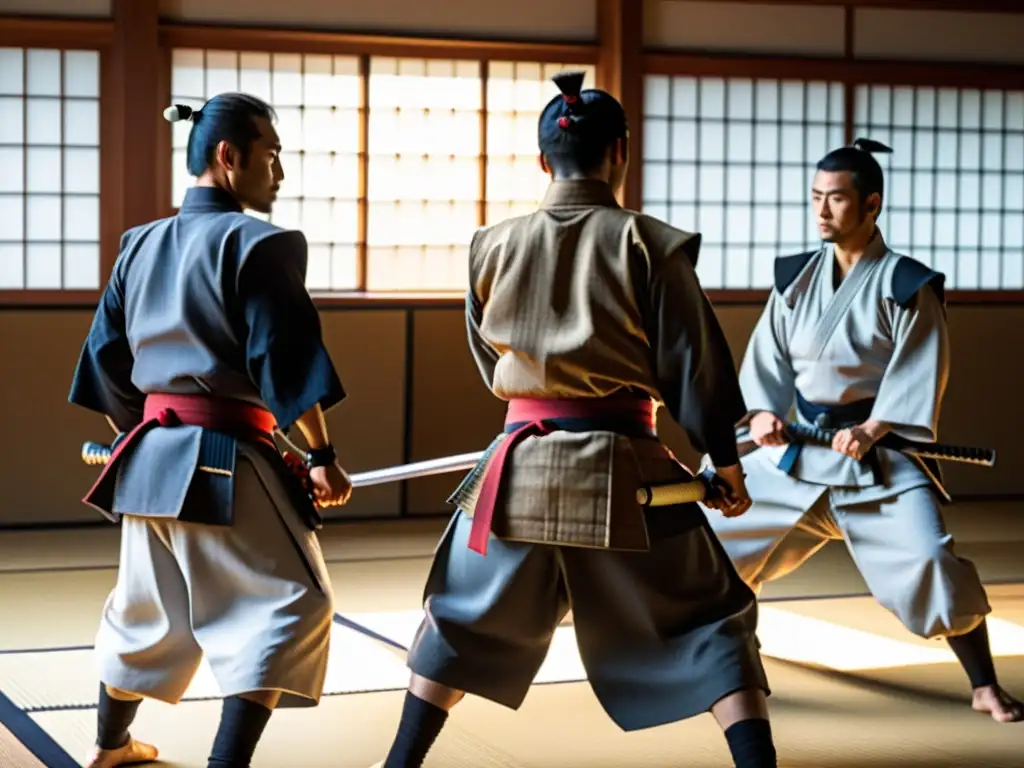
[(99, 454), (463, 462), (655, 496)]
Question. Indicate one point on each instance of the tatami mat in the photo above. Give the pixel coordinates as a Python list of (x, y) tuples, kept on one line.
[(806, 633), (852, 689), (63, 679), (819, 722), (14, 754)]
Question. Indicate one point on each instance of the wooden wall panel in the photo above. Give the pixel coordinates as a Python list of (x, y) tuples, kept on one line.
[(526, 19), (42, 477), (368, 350), (452, 411)]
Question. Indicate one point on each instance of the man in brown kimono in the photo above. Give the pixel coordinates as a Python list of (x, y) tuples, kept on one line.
[(582, 316)]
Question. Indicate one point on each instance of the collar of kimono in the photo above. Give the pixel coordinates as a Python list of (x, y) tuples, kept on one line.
[(571, 193), (875, 249), (209, 200)]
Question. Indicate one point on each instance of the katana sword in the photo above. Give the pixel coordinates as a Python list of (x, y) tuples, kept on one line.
[(963, 454), (705, 486), (99, 454)]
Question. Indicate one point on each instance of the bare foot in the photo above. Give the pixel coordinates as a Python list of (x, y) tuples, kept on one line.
[(131, 753), (993, 700)]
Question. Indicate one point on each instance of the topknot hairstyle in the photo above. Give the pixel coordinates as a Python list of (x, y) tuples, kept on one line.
[(577, 127), (226, 117)]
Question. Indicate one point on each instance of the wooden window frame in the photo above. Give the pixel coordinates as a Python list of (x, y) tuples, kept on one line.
[(851, 73), (365, 46), (76, 35), (100, 35)]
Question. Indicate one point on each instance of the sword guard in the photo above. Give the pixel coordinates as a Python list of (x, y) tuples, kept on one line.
[(300, 469)]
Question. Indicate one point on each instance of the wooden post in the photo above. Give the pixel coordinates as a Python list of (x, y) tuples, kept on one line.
[(620, 27), (137, 101)]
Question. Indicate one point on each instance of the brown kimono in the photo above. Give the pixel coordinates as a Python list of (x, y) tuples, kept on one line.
[(609, 303), (585, 300)]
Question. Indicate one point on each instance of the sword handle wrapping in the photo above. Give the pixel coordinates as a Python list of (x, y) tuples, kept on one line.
[(707, 485), (96, 454), (963, 454)]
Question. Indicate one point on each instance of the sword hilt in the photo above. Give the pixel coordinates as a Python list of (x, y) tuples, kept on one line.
[(96, 453), (963, 454)]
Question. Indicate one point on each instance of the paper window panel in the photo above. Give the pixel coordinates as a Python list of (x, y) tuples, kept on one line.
[(955, 180), (733, 159), (316, 99), (50, 188)]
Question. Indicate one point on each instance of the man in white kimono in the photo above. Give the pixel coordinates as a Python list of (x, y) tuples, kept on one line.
[(855, 337)]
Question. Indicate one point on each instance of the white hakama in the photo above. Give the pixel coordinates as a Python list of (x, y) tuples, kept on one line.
[(247, 596)]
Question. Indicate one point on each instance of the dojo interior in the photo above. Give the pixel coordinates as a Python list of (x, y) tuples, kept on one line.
[(406, 124)]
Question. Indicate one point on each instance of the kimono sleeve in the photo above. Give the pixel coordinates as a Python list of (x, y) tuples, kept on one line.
[(485, 355), (103, 377), (910, 395), (766, 374), (284, 349), (693, 363)]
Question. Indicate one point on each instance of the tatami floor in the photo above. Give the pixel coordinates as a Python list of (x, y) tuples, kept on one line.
[(851, 688)]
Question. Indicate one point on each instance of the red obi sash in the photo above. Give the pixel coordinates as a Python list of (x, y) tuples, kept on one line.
[(234, 417), (535, 417)]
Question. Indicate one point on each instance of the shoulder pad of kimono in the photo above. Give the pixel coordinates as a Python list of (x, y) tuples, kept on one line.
[(662, 239), (132, 234), (787, 268), (130, 240), (488, 236), (909, 276)]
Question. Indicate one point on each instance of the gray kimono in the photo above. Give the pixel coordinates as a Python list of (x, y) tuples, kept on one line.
[(871, 346), (215, 529)]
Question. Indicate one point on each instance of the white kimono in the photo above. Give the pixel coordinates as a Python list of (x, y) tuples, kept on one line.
[(877, 343)]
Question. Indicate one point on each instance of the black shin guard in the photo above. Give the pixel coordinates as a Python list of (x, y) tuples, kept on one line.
[(975, 656), (750, 742), (241, 726), (113, 718), (419, 727)]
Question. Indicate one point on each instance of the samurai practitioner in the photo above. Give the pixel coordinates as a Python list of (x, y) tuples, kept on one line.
[(854, 337), (204, 342), (582, 315)]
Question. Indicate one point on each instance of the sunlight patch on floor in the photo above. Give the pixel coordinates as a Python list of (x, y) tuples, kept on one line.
[(783, 635)]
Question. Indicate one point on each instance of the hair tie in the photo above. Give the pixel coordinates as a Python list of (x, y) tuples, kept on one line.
[(871, 146), (181, 112), (564, 123)]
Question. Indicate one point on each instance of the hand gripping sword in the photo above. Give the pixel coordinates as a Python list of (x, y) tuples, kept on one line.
[(963, 454)]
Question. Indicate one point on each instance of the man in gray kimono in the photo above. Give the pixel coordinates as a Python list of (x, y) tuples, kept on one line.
[(582, 316), (205, 341), (854, 336)]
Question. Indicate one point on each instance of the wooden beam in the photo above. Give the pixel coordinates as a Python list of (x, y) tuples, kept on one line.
[(112, 161), (977, 6), (849, 89), (620, 29), (860, 71), (55, 298), (294, 41), (54, 33), (138, 60), (959, 297)]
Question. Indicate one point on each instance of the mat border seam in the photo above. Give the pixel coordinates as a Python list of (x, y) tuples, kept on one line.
[(33, 736)]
